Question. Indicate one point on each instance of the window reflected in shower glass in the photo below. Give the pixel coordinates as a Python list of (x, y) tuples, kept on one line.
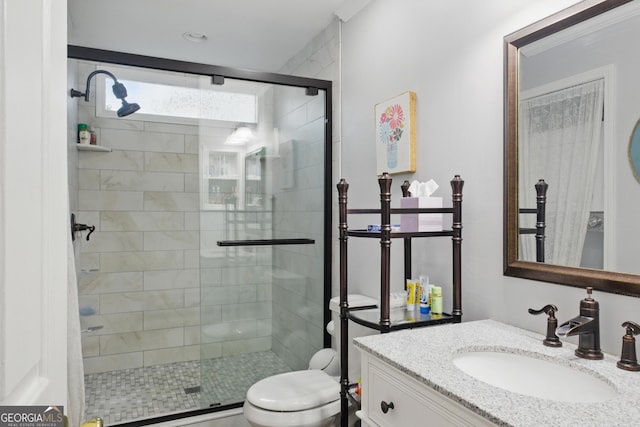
[(186, 104)]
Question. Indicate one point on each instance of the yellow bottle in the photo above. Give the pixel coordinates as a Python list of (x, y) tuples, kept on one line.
[(411, 295), (436, 300)]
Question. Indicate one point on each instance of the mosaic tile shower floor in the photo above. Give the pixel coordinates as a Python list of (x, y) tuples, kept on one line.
[(132, 394)]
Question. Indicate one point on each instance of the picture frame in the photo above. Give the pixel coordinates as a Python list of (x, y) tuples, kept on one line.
[(395, 130)]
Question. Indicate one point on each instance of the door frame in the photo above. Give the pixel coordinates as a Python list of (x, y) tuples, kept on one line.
[(34, 226)]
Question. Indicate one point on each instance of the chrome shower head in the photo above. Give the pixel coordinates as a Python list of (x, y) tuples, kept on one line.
[(119, 91)]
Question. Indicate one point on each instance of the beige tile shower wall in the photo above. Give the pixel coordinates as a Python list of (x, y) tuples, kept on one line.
[(136, 278), (298, 299), (139, 275)]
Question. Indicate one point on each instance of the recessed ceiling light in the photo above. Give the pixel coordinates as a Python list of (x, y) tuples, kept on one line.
[(194, 37)]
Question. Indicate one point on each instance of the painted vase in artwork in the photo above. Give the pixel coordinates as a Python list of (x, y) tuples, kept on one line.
[(390, 128), (392, 155)]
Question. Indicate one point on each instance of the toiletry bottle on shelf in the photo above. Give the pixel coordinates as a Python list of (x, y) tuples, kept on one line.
[(83, 134), (436, 300), (93, 136), (424, 294), (411, 295)]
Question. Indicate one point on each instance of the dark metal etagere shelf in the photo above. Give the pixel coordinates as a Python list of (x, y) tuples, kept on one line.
[(371, 319), (540, 212), (398, 234), (383, 318)]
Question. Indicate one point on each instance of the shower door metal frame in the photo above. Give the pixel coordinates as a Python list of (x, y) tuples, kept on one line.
[(216, 73)]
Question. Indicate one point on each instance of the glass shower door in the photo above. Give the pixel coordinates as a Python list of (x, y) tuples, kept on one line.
[(261, 256)]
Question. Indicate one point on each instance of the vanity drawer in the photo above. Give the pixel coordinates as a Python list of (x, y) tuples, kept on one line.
[(413, 403), (407, 407)]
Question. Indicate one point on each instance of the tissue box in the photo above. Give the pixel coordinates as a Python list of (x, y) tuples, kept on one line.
[(421, 222)]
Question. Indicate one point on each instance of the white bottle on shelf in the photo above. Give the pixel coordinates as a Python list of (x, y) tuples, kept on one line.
[(84, 137)]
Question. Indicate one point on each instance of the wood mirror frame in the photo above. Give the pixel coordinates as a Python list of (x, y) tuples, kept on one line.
[(608, 281)]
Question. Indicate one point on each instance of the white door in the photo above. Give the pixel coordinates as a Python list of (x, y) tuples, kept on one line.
[(33, 202)]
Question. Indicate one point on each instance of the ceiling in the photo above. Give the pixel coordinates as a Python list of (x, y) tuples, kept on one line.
[(257, 35)]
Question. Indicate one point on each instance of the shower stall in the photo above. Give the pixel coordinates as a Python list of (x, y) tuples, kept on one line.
[(208, 269)]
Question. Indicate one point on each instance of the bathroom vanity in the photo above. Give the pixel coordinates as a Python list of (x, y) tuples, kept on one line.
[(445, 376), (393, 398)]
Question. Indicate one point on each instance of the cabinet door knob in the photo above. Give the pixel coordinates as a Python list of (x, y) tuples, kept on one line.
[(386, 406)]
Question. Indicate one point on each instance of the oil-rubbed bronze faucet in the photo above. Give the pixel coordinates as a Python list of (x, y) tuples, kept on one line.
[(551, 339), (587, 327), (628, 360)]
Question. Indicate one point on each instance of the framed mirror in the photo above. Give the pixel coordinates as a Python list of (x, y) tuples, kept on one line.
[(571, 106)]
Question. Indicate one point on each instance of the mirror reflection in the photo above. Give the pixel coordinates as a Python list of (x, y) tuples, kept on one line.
[(578, 103)]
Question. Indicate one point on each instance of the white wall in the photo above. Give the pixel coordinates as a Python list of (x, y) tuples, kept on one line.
[(451, 54)]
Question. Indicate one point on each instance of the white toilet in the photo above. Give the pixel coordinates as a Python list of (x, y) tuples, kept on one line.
[(309, 398)]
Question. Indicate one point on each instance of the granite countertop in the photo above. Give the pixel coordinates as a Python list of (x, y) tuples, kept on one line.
[(426, 354)]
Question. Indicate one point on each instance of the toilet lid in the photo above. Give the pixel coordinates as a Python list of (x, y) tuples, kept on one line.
[(294, 391)]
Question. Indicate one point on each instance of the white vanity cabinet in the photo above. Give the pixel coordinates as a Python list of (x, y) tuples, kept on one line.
[(406, 400), (415, 371)]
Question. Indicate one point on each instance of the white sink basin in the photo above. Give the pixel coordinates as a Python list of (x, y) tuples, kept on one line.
[(535, 377)]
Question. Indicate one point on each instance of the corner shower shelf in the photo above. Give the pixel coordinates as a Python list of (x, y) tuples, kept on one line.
[(98, 148)]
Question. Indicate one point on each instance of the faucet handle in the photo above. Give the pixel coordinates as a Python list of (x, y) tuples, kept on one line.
[(549, 309), (552, 339), (632, 327), (628, 360)]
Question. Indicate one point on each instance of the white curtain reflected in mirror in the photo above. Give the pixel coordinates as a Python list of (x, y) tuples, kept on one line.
[(560, 139)]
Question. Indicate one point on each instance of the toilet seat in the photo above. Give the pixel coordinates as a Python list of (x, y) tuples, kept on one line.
[(294, 391)]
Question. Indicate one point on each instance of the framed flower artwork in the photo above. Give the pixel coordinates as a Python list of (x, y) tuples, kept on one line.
[(395, 126)]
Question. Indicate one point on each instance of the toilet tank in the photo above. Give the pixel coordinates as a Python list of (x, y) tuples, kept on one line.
[(355, 330), (327, 360)]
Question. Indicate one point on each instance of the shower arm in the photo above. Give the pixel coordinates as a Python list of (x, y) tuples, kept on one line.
[(77, 93)]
